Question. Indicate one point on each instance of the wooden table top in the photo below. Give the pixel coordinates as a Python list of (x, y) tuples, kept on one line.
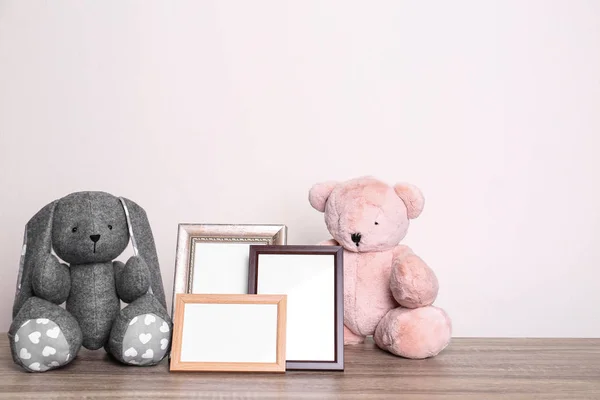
[(467, 369)]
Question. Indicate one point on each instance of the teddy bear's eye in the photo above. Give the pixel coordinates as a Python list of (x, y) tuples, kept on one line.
[(74, 230), (376, 223), (110, 227)]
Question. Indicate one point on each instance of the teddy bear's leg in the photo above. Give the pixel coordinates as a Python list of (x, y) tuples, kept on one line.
[(141, 333), (352, 338), (414, 333), (43, 336)]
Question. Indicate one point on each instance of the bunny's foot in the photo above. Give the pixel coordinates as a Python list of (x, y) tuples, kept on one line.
[(141, 334), (43, 336)]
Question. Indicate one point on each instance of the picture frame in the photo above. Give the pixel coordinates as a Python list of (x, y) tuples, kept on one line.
[(312, 279), (207, 334), (213, 258)]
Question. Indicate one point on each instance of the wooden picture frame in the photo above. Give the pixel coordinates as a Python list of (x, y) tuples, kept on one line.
[(312, 278), (249, 344), (213, 258)]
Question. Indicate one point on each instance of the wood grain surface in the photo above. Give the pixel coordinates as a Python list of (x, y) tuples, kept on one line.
[(467, 369)]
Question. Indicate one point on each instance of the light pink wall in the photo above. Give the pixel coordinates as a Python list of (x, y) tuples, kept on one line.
[(228, 111)]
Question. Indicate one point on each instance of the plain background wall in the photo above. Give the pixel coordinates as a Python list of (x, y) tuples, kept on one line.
[(228, 112)]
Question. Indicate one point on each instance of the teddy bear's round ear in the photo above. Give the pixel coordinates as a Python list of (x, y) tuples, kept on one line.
[(412, 198), (319, 194)]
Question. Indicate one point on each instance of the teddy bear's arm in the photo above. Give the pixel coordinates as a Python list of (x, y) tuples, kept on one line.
[(132, 279), (51, 280), (412, 282)]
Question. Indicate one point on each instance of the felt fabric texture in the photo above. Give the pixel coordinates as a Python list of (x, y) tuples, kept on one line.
[(87, 230), (93, 301), (78, 217), (38, 236), (147, 248), (32, 310), (51, 280), (369, 218), (133, 279), (126, 330)]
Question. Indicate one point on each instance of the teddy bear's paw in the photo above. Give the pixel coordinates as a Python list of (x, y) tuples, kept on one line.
[(146, 340), (414, 333), (40, 345), (413, 283)]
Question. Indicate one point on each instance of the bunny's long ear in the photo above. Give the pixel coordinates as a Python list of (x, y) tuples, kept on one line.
[(37, 245), (143, 245)]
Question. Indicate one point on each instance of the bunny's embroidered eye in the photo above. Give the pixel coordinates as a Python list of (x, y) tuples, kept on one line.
[(110, 227), (376, 223), (74, 230)]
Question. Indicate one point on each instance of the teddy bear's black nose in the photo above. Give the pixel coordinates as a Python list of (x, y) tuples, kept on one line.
[(95, 238), (356, 238)]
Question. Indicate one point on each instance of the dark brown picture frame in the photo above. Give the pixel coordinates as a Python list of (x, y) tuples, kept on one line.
[(337, 251)]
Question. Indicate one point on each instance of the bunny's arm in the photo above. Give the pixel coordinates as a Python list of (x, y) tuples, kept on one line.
[(132, 279), (51, 280), (412, 282)]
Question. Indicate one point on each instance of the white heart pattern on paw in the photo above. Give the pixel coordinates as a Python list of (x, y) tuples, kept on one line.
[(24, 354), (35, 366), (148, 354), (145, 337), (133, 321), (164, 328), (53, 333), (35, 337), (147, 341), (41, 345), (130, 352), (48, 351)]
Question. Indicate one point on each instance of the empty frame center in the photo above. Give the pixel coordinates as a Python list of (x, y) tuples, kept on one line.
[(307, 280), (220, 268), (246, 333)]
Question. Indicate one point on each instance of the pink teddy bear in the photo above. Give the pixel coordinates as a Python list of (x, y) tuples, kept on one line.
[(388, 290)]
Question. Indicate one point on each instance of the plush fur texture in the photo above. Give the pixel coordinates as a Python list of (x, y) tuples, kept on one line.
[(388, 290), (87, 230)]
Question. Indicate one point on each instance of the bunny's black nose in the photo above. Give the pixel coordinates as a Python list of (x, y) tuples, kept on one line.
[(95, 238), (356, 238)]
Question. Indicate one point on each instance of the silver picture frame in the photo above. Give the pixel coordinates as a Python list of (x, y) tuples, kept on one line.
[(214, 258)]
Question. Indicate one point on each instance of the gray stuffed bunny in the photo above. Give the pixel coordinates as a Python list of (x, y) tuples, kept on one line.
[(89, 230)]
